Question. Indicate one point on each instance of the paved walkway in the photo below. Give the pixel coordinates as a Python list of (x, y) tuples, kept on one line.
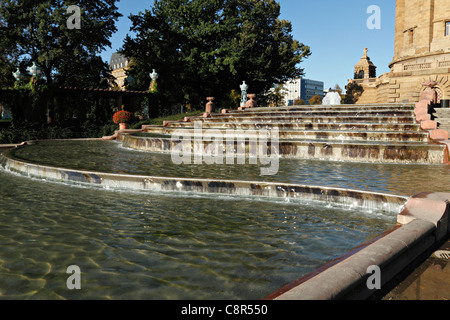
[(429, 281)]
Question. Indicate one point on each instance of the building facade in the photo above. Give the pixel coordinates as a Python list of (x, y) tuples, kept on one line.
[(118, 65), (303, 89), (421, 54)]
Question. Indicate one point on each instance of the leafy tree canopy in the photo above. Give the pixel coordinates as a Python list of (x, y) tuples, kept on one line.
[(38, 31), (315, 100), (205, 48), (354, 92)]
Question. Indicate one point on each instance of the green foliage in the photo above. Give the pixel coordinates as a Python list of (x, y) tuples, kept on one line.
[(160, 120), (37, 31), (276, 96), (205, 48), (299, 102), (354, 92), (28, 132)]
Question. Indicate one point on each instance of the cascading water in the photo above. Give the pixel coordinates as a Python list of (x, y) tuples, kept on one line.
[(141, 227)]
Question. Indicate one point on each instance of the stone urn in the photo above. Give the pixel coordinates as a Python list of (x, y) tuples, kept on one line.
[(123, 126), (210, 106), (251, 103)]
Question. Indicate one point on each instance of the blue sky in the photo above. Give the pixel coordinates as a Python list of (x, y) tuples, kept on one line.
[(336, 31)]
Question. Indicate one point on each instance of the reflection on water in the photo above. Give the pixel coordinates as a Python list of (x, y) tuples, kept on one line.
[(399, 179), (151, 246), (155, 246)]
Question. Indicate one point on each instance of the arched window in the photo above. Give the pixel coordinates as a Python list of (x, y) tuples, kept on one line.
[(361, 74)]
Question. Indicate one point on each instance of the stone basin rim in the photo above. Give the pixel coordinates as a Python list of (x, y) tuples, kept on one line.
[(7, 157)]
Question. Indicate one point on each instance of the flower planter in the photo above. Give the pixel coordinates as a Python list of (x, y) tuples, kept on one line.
[(123, 118)]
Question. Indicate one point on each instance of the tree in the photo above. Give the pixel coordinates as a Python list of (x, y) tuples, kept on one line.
[(354, 92), (207, 48), (7, 63), (299, 102), (315, 100), (37, 31), (276, 96)]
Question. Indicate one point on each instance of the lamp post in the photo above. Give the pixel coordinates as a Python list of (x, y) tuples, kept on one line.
[(244, 88)]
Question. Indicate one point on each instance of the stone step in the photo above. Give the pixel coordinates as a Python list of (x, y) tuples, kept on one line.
[(311, 119), (319, 113), (335, 107), (302, 126), (377, 152), (316, 135)]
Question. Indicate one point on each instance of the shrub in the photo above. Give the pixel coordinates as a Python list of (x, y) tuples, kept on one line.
[(123, 117)]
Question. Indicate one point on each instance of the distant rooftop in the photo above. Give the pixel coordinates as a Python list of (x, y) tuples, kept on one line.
[(117, 58)]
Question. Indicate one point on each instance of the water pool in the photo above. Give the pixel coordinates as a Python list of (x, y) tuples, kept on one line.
[(111, 157), (149, 245), (131, 245)]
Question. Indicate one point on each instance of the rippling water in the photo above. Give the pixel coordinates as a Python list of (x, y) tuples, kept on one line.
[(151, 246), (398, 179), (132, 245)]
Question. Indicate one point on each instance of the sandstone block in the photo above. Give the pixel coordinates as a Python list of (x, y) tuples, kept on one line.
[(423, 117), (428, 125), (439, 134)]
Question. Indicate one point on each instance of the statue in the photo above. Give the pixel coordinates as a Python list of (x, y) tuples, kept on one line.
[(244, 88)]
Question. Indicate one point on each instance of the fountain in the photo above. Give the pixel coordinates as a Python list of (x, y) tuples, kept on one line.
[(118, 209), (332, 98)]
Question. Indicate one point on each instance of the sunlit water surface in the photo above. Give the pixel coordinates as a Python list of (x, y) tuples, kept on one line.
[(132, 245)]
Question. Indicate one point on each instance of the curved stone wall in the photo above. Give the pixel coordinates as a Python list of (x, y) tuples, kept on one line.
[(342, 197)]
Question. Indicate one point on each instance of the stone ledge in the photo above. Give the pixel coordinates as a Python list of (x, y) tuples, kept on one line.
[(117, 133), (11, 146), (423, 223)]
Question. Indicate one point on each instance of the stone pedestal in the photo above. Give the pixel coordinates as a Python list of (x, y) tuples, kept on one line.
[(210, 106), (251, 103)]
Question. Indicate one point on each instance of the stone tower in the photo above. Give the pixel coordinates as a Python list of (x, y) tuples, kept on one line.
[(421, 54), (365, 68)]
